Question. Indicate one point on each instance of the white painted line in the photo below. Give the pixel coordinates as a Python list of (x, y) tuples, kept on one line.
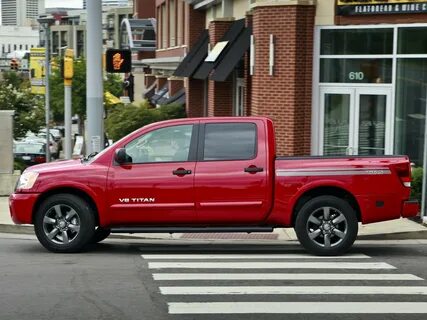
[(283, 276), (297, 307), (269, 265), (246, 256), (295, 290)]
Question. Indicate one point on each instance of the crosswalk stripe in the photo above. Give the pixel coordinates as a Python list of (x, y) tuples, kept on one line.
[(269, 265), (246, 256), (283, 276), (300, 290), (297, 307)]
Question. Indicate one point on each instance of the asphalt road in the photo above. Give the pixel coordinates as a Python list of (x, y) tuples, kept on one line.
[(151, 279)]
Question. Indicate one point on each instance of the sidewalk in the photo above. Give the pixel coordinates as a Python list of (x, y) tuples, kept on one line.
[(394, 229)]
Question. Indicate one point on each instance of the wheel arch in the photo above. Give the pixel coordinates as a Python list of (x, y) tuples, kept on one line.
[(67, 190), (326, 191)]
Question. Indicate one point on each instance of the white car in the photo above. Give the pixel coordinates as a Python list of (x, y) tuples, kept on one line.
[(53, 145)]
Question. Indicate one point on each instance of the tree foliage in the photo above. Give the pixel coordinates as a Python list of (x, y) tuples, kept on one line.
[(15, 94), (122, 120), (112, 83)]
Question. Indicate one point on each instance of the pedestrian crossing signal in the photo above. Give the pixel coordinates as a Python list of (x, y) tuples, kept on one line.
[(118, 61), (14, 65)]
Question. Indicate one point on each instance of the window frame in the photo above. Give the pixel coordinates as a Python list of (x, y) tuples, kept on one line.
[(192, 154), (201, 143)]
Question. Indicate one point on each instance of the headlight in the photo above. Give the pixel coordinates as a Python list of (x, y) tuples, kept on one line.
[(27, 180)]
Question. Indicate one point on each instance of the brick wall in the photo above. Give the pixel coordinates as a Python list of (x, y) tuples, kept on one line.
[(144, 9), (174, 86), (194, 97), (285, 96), (161, 81), (220, 94), (194, 25), (194, 89), (149, 79)]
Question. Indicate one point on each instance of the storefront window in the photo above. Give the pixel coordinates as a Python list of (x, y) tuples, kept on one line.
[(356, 70), (356, 41), (410, 108), (412, 41)]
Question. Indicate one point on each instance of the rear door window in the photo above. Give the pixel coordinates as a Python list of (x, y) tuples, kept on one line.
[(229, 141)]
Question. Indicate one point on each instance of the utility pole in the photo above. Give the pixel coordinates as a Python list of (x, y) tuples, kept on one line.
[(68, 73), (47, 94), (95, 91)]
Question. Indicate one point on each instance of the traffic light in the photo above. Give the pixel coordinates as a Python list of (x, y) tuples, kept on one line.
[(14, 65), (118, 61)]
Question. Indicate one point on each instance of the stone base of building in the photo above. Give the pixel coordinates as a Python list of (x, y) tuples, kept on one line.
[(8, 182)]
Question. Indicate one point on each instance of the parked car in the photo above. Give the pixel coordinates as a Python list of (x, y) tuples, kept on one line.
[(210, 175), (56, 133), (53, 145), (30, 153)]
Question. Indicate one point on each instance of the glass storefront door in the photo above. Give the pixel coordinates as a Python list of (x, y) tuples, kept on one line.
[(355, 121)]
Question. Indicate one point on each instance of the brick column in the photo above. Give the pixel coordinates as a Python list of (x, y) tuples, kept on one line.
[(195, 21), (220, 94), (149, 79), (161, 81), (285, 96), (175, 84), (194, 97)]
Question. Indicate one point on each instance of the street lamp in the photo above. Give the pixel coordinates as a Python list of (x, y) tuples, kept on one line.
[(46, 22)]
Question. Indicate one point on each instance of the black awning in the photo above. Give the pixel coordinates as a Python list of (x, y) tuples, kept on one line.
[(176, 98), (195, 57), (159, 94), (233, 56), (231, 35)]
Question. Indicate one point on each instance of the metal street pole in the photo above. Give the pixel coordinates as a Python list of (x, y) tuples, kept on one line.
[(424, 189), (94, 95), (67, 122), (47, 93), (68, 73)]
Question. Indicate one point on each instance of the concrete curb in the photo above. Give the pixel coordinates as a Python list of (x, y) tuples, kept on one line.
[(418, 235)]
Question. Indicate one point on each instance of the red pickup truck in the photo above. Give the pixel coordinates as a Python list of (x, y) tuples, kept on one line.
[(210, 175)]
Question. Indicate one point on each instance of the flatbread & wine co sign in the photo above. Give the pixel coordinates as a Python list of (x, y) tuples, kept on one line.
[(366, 7)]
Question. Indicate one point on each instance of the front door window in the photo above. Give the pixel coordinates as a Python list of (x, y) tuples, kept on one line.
[(355, 121)]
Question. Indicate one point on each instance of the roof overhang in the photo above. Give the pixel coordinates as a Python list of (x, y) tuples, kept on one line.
[(169, 63)]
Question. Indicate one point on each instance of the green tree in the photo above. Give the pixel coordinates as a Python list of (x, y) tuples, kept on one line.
[(15, 94), (112, 83), (122, 120)]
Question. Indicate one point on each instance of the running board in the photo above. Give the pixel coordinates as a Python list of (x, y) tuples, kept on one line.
[(189, 229)]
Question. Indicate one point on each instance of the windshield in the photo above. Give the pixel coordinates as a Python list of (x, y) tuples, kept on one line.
[(108, 148)]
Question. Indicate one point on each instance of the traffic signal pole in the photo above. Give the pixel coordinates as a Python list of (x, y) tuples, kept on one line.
[(94, 80), (47, 93), (68, 74)]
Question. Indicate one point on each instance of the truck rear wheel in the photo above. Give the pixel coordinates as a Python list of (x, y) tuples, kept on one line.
[(326, 226), (64, 223)]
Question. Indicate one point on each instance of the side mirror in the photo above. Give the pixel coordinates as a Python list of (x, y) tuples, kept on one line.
[(122, 157)]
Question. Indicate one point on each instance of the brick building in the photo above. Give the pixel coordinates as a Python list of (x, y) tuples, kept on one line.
[(337, 76)]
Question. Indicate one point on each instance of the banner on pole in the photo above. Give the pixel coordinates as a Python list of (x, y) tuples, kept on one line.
[(37, 70)]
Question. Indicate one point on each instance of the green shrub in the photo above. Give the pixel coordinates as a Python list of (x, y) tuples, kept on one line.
[(417, 183), (19, 165), (122, 120)]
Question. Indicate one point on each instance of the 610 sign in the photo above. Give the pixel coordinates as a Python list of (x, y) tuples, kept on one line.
[(358, 76)]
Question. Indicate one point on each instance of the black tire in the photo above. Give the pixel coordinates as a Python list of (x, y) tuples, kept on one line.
[(337, 231), (100, 235), (76, 218)]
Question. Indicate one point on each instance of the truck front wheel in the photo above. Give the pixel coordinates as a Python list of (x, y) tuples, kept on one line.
[(326, 225), (64, 223)]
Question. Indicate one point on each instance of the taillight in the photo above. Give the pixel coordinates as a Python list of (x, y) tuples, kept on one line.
[(40, 159), (403, 171)]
